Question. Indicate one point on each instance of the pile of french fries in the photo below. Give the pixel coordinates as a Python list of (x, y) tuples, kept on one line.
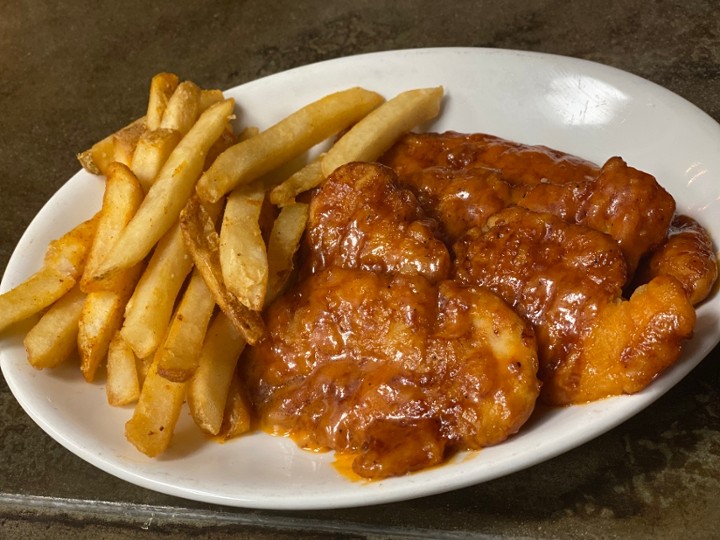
[(166, 284)]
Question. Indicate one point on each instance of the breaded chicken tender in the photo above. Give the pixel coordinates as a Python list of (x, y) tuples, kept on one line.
[(687, 254), (393, 369), (567, 281), (361, 218), (621, 201)]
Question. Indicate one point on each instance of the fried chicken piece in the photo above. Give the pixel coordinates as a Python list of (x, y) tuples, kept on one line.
[(459, 199), (567, 281), (391, 368), (520, 163), (361, 218), (687, 254), (616, 199)]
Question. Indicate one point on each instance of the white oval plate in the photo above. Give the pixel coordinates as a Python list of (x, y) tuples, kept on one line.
[(580, 107)]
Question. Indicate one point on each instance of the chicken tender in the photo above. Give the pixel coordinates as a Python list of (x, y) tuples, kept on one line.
[(688, 255), (393, 369), (567, 281), (361, 218), (615, 199)]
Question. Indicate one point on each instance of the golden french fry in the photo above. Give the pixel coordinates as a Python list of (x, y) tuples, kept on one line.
[(62, 268), (183, 108), (309, 177), (151, 153), (96, 158), (149, 310), (284, 241), (53, 339), (121, 200), (209, 97), (303, 129), (208, 389), (373, 135), (202, 241), (125, 142), (123, 382), (168, 194), (162, 87), (153, 421), (100, 320), (237, 418), (178, 356), (243, 256)]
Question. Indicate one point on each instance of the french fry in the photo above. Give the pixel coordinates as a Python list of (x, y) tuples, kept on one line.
[(209, 97), (62, 268), (53, 339), (202, 241), (303, 129), (96, 158), (162, 87), (243, 256), (178, 356), (121, 199), (100, 320), (125, 141), (123, 382), (151, 153), (168, 194), (284, 241), (151, 427), (104, 307), (148, 312), (237, 418), (183, 108), (208, 389), (303, 180), (373, 135)]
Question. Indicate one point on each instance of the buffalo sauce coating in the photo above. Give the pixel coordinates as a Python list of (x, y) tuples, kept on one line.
[(393, 368), (687, 254), (567, 281), (489, 173), (361, 218)]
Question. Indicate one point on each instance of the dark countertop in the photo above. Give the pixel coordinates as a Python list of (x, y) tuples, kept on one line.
[(71, 72)]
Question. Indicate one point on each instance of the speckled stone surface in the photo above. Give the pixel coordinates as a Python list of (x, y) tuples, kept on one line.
[(72, 72)]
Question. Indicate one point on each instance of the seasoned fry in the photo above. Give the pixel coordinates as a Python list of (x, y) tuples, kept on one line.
[(151, 153), (168, 194), (101, 318), (149, 310), (306, 178), (125, 141), (243, 257), (96, 159), (123, 383), (373, 135), (303, 129), (179, 354), (183, 108), (52, 340), (209, 97), (208, 389), (123, 196), (153, 421), (202, 241), (237, 418), (62, 268), (162, 87), (284, 241)]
